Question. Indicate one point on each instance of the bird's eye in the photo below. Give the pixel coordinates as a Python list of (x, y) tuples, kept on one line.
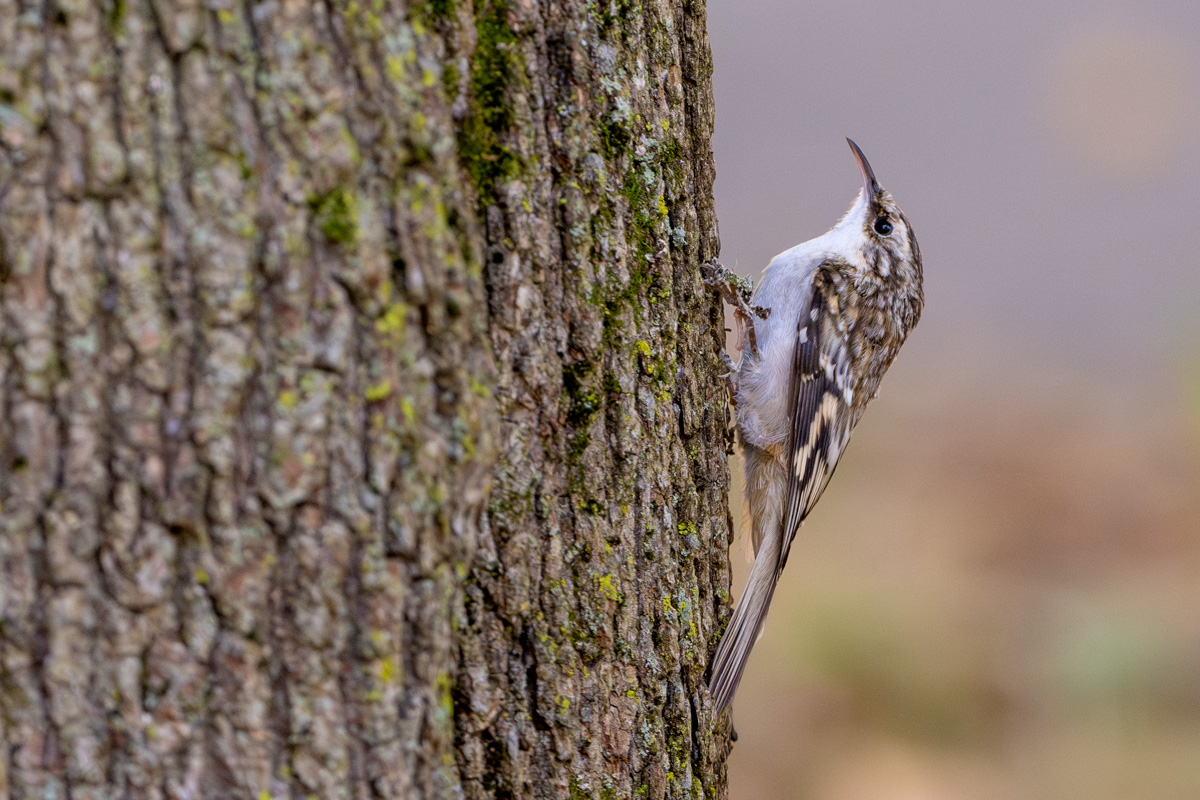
[(882, 226)]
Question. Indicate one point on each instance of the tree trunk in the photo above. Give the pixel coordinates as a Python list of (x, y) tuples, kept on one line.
[(361, 432)]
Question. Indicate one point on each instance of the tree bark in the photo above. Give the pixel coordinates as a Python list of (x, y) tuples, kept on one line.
[(361, 430)]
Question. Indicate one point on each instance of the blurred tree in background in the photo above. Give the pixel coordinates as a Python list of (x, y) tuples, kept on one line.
[(360, 430)]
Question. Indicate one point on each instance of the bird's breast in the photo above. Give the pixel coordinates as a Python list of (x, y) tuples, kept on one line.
[(763, 381)]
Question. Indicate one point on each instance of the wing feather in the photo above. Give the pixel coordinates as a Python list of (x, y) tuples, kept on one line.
[(822, 395)]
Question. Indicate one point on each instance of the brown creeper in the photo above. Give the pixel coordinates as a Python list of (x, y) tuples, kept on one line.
[(839, 308)]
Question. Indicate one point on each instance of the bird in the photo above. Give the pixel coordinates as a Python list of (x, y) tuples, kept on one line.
[(824, 324)]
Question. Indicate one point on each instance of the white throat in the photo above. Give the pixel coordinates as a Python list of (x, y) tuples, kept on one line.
[(846, 238)]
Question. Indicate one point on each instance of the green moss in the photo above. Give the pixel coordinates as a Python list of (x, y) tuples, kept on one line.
[(582, 636), (591, 506), (478, 388), (379, 391), (678, 749), (116, 16), (583, 400), (336, 214), (602, 15), (614, 297), (615, 137), (641, 238), (635, 192), (391, 323), (497, 64), (443, 686), (647, 214), (608, 588), (434, 10), (450, 80), (583, 403), (611, 319), (652, 365), (670, 156)]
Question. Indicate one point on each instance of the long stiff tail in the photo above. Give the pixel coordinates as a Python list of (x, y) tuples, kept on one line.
[(746, 625)]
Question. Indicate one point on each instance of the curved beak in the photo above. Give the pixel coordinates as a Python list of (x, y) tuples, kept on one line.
[(870, 185)]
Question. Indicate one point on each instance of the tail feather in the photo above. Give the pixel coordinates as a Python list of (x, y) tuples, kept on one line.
[(745, 627)]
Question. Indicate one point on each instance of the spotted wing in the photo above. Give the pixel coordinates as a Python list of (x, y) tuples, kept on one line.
[(821, 399)]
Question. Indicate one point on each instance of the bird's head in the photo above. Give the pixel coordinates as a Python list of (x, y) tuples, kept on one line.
[(876, 230)]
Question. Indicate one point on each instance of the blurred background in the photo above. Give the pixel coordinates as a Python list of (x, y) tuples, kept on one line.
[(998, 596)]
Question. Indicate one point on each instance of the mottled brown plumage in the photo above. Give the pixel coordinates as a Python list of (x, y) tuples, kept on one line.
[(840, 306)]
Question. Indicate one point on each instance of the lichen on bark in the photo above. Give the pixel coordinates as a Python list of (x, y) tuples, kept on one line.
[(360, 431)]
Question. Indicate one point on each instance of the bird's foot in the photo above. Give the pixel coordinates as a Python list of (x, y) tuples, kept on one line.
[(730, 376), (738, 292)]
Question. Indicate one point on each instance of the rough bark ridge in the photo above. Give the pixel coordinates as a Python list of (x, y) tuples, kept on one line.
[(603, 565), (359, 427)]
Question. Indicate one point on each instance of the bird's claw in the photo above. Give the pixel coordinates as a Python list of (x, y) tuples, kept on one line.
[(738, 292), (731, 367), (730, 378)]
